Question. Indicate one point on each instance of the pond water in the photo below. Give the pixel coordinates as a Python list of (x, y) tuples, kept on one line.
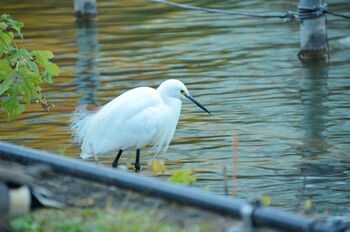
[(291, 122)]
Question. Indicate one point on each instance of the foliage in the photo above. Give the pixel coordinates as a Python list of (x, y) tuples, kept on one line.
[(157, 166), (21, 71), (265, 200), (182, 177), (107, 220), (308, 204), (177, 176)]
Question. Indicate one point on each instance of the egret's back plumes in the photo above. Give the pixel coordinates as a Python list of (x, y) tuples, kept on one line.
[(79, 123)]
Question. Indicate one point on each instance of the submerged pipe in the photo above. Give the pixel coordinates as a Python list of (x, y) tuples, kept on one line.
[(259, 216)]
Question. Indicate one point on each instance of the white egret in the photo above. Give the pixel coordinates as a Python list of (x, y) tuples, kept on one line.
[(138, 118)]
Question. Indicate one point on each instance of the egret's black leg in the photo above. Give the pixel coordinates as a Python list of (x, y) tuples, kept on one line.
[(137, 161), (116, 160)]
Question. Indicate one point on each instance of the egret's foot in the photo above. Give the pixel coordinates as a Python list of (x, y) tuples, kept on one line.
[(137, 168)]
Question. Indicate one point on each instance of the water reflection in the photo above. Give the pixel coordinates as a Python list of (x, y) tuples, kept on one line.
[(87, 73), (314, 96), (319, 170)]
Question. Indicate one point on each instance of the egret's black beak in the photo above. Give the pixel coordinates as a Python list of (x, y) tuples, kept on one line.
[(197, 103)]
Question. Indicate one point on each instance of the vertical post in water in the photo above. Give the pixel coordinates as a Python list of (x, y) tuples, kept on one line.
[(313, 31), (85, 9)]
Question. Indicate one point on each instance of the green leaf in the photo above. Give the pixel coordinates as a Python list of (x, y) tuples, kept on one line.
[(12, 107), (42, 57), (33, 77), (12, 50), (46, 53), (22, 53), (5, 85), (157, 166), (6, 74), (32, 66), (182, 177), (3, 26), (4, 66), (27, 81), (15, 88), (265, 200), (308, 204), (48, 78), (29, 90), (3, 16), (6, 38), (10, 35), (13, 24), (52, 69)]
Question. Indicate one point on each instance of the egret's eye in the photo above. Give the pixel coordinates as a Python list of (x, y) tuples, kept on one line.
[(182, 92)]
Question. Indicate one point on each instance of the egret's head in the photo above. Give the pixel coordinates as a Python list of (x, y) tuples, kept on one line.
[(172, 88), (176, 89)]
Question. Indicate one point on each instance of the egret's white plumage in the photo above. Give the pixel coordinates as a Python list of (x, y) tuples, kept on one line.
[(139, 117)]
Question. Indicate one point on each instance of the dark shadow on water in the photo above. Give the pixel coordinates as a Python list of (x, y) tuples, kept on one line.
[(314, 94), (87, 72)]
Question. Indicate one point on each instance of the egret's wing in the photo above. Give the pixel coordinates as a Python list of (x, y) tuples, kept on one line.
[(127, 121), (139, 130)]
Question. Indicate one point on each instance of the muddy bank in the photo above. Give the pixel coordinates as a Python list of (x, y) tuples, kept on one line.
[(79, 193)]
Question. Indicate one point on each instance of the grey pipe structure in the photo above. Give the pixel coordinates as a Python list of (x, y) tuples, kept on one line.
[(259, 216)]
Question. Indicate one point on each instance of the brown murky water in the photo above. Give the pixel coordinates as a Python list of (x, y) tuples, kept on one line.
[(292, 121)]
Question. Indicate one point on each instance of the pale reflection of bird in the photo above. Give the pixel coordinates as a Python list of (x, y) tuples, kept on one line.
[(19, 194), (138, 118)]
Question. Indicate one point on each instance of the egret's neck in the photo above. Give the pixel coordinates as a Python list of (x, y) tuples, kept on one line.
[(170, 98), (173, 103), (172, 107), (164, 93)]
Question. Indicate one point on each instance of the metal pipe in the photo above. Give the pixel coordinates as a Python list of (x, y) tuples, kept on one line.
[(261, 216), (130, 181)]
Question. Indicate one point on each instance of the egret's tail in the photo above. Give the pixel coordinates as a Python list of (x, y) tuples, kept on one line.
[(79, 124), (84, 155)]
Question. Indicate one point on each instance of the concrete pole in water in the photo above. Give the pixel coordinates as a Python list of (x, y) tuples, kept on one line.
[(85, 9), (313, 32)]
